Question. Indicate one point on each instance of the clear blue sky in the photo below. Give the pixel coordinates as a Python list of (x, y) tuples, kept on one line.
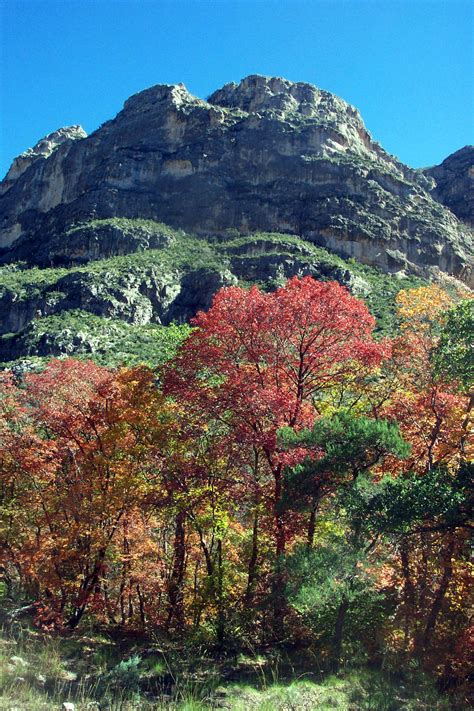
[(406, 64)]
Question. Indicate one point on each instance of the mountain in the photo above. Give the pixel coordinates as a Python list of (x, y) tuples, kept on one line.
[(142, 221), (454, 183), (266, 154)]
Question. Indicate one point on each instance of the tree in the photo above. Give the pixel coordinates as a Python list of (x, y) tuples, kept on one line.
[(75, 504), (257, 362), (431, 411), (343, 447), (427, 407), (421, 309), (453, 356), (348, 447)]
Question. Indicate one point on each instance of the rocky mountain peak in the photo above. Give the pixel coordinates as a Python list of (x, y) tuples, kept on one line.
[(43, 149), (266, 154), (328, 121), (260, 94), (158, 96)]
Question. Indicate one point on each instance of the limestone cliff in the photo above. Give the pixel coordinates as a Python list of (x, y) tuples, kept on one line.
[(454, 183), (43, 149), (111, 308), (265, 154)]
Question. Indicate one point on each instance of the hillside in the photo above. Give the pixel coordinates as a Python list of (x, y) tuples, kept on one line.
[(235, 498), (115, 310), (108, 237)]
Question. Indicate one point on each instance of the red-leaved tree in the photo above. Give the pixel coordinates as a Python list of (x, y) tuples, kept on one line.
[(257, 362)]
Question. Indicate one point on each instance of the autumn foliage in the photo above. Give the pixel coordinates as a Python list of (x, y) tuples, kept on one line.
[(285, 476)]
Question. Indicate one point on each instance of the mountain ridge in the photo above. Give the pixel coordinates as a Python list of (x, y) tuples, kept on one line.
[(108, 240), (299, 160), (83, 310)]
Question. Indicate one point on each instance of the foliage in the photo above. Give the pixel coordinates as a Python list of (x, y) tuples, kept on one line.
[(74, 478), (127, 672), (453, 357), (401, 504), (106, 341), (323, 578), (46, 290), (422, 308), (351, 445), (259, 360), (282, 480)]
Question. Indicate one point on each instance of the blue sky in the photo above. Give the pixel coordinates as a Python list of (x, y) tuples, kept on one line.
[(406, 64)]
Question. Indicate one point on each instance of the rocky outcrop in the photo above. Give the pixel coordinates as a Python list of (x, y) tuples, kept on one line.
[(152, 295), (43, 149), (265, 154), (454, 183), (158, 287), (93, 240)]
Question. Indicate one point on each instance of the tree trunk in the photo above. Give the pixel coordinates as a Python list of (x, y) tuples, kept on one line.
[(312, 525), (439, 595), (338, 632), (280, 534), (108, 605), (87, 587), (279, 606), (220, 630), (141, 605), (466, 430), (408, 592), (252, 567), (175, 589)]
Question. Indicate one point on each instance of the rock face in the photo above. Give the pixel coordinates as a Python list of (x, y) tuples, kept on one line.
[(43, 149), (454, 183), (158, 289), (127, 308), (266, 154), (94, 240)]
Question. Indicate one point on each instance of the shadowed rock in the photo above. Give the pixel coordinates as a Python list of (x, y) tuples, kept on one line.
[(454, 183)]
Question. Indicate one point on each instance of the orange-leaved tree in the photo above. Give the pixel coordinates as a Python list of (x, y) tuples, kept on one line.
[(431, 415), (76, 475)]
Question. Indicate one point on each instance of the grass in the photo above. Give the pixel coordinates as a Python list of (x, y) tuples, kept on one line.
[(98, 670)]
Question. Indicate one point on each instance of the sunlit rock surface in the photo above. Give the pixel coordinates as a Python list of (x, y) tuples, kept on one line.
[(264, 154)]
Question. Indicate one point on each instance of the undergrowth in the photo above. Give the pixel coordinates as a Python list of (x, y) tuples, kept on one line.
[(108, 672)]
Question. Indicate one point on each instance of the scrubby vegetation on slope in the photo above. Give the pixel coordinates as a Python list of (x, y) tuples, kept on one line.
[(76, 309)]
